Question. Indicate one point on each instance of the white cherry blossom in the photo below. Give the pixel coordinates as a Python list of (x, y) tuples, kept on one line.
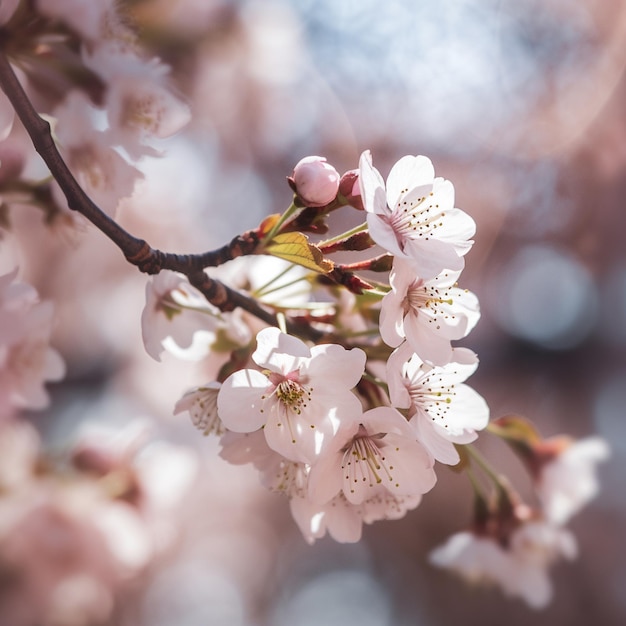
[(429, 314), (277, 474), (567, 482), (374, 454), (342, 520), (201, 403), (444, 411), (414, 217), (519, 566), (174, 312), (338, 517), (300, 396)]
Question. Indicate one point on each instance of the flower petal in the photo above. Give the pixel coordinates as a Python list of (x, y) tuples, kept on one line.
[(240, 403), (406, 174)]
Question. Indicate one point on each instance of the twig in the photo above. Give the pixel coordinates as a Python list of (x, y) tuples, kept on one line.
[(137, 251)]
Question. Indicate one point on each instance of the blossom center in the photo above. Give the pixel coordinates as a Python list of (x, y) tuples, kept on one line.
[(434, 397), (421, 296), (364, 461), (291, 393), (415, 217)]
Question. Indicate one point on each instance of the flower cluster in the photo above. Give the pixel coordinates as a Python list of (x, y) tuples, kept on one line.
[(511, 544), (350, 424), (350, 432), (343, 392)]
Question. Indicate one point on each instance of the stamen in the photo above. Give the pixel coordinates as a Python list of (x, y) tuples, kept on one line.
[(365, 462), (293, 397)]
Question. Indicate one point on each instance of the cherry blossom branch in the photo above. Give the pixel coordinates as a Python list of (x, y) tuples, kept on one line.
[(137, 251)]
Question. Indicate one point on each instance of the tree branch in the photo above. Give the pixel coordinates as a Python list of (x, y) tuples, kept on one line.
[(137, 251)]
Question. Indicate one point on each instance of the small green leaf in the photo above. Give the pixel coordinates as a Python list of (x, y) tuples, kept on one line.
[(295, 247)]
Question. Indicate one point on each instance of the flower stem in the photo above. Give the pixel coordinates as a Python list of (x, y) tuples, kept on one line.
[(377, 381), (282, 220), (497, 478), (357, 229)]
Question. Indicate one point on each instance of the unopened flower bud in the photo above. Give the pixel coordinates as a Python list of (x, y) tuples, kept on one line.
[(350, 189), (315, 181)]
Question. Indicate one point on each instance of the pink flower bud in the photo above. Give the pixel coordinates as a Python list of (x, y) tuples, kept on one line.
[(315, 181), (350, 189)]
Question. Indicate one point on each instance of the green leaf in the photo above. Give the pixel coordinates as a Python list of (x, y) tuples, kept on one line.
[(295, 247)]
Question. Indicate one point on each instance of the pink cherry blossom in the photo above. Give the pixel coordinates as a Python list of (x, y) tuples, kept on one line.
[(140, 103), (87, 18), (26, 359), (413, 217), (567, 482), (100, 169), (429, 314), (300, 396), (443, 410), (374, 454), (316, 181), (520, 568), (74, 541)]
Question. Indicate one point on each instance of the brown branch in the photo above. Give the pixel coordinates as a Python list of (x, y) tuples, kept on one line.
[(137, 251)]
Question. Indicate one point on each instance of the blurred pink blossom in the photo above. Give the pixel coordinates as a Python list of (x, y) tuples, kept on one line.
[(519, 567), (568, 482), (26, 359)]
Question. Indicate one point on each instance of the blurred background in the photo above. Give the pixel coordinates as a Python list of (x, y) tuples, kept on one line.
[(523, 107)]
